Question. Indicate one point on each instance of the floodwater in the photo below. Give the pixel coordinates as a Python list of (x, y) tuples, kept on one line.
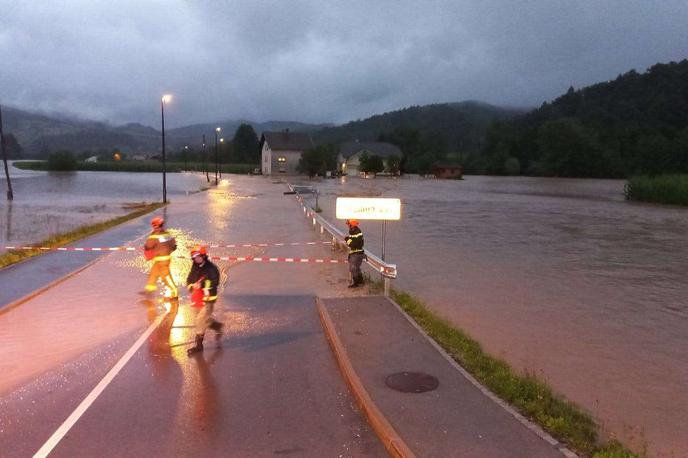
[(563, 278), (48, 203)]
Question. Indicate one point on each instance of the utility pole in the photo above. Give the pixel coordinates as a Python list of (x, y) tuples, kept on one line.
[(205, 161), (10, 194)]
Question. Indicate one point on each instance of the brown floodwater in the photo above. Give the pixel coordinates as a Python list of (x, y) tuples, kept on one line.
[(560, 277), (49, 203)]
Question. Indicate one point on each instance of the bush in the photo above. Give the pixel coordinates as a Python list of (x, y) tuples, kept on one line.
[(62, 161), (664, 189)]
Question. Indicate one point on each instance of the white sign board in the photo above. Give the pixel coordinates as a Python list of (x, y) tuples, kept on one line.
[(368, 208)]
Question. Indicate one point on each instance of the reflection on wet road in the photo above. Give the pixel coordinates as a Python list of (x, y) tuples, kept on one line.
[(270, 386)]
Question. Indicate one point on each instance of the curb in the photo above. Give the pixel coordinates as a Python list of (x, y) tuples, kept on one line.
[(394, 444), (536, 429)]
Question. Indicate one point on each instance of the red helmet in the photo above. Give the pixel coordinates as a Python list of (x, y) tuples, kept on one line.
[(352, 222), (199, 250), (157, 222)]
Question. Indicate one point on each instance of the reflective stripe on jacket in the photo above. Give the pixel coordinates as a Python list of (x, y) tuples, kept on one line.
[(355, 240), (161, 245), (208, 275)]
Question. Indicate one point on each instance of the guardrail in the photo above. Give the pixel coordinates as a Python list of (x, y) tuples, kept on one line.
[(386, 270)]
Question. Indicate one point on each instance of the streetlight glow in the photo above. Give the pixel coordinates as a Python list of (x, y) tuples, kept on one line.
[(166, 98)]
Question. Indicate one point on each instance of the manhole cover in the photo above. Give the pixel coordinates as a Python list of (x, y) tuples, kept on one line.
[(412, 382)]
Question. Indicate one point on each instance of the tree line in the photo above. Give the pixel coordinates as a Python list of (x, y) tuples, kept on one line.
[(636, 124), (242, 149)]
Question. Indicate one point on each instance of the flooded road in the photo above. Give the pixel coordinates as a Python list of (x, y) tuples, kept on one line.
[(47, 203), (562, 278)]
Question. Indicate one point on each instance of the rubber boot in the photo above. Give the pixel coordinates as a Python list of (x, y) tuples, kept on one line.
[(217, 327), (198, 347)]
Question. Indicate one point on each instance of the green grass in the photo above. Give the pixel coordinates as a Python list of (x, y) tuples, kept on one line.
[(14, 256), (141, 166), (530, 396), (664, 189)]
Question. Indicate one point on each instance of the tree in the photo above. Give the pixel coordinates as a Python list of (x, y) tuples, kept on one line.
[(62, 161), (318, 160), (393, 165), (363, 160), (246, 147), (568, 149), (375, 165), (512, 166)]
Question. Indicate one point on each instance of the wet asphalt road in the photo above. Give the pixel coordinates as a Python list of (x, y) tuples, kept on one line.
[(21, 279), (270, 387)]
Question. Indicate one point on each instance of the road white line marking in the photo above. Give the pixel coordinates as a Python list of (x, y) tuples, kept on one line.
[(93, 395)]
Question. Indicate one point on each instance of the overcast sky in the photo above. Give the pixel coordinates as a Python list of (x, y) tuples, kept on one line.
[(304, 61)]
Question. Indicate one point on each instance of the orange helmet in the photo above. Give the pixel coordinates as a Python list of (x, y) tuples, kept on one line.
[(352, 222), (157, 222), (199, 250)]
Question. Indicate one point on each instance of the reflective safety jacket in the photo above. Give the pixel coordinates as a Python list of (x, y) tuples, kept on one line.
[(355, 240), (159, 246), (208, 277)]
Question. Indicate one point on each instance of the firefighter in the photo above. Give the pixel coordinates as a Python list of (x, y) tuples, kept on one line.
[(158, 248), (202, 282), (356, 253)]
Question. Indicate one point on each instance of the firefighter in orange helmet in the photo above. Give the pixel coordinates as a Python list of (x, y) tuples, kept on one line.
[(158, 248), (356, 252), (203, 280)]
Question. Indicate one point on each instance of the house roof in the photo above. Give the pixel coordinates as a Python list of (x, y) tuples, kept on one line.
[(287, 141), (381, 149)]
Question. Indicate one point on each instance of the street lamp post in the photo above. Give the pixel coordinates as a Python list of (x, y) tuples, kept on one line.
[(205, 160), (222, 150), (186, 157), (165, 98), (217, 164)]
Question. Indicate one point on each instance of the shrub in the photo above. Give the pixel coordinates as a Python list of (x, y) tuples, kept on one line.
[(62, 161)]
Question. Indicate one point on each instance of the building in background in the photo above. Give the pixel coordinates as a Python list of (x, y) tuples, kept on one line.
[(281, 151), (350, 154)]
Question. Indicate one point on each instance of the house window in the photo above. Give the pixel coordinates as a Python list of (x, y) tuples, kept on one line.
[(282, 163), (281, 159)]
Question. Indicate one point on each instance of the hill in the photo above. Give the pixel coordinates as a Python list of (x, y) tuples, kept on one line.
[(635, 124), (456, 127), (40, 134), (194, 133)]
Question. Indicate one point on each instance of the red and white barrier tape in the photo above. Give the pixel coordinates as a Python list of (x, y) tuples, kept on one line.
[(269, 259), (269, 244), (128, 248), (47, 248)]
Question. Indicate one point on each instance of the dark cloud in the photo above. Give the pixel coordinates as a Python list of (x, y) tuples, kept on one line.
[(301, 60)]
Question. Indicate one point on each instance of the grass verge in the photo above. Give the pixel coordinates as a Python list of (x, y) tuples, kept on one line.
[(14, 256), (663, 189), (140, 166), (533, 398)]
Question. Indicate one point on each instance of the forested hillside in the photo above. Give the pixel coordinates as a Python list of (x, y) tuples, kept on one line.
[(635, 124), (426, 134)]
